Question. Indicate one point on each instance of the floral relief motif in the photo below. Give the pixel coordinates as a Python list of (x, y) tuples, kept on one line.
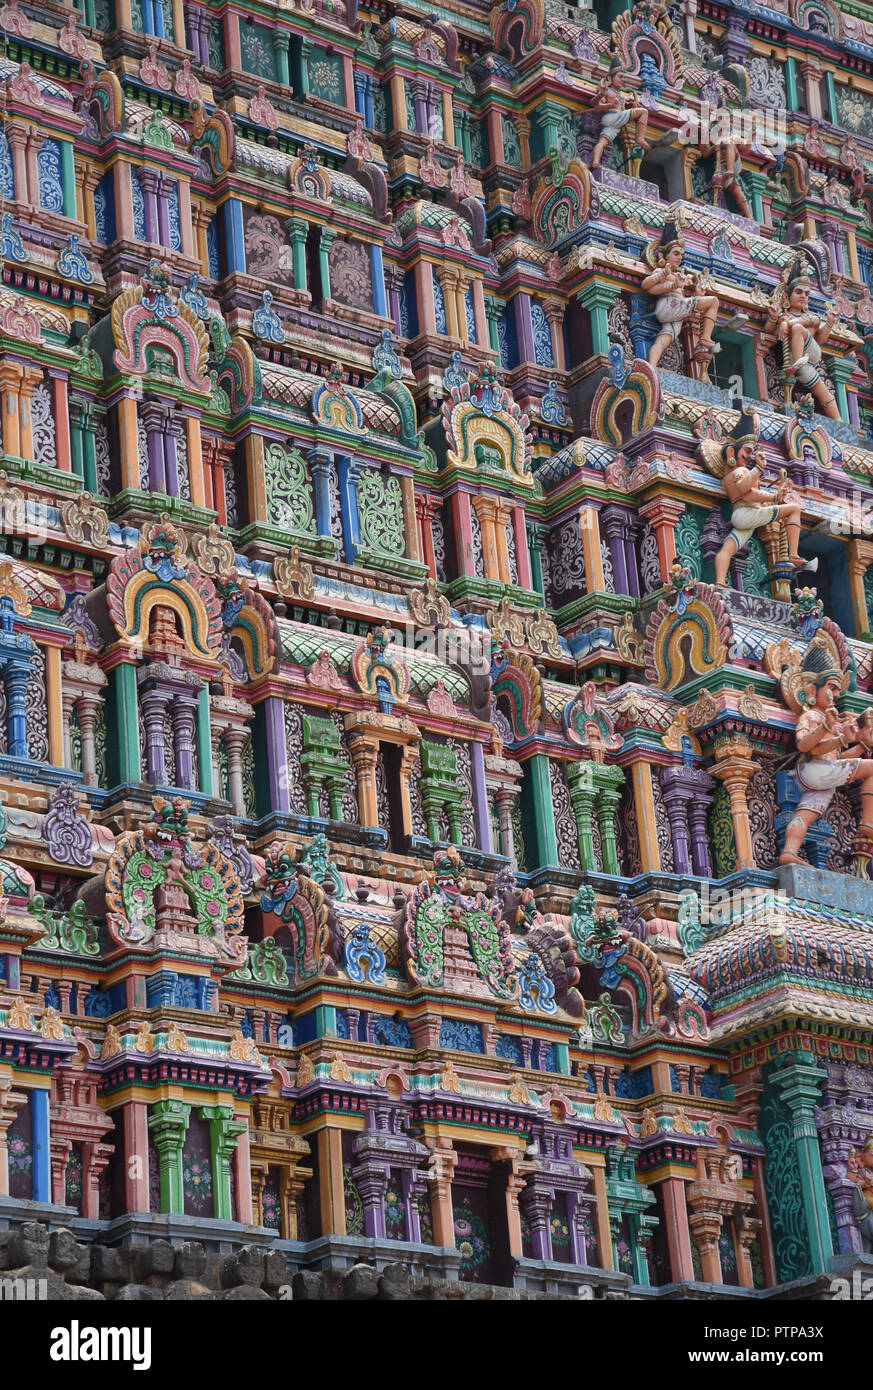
[(268, 252), (294, 746), (566, 830), (350, 276), (471, 1240), (51, 188), (350, 793), (43, 425), (567, 560), (326, 76), (542, 335), (36, 706), (465, 778), (761, 798), (439, 306), (102, 459), (476, 539), (439, 543), (650, 565), (665, 839), (289, 490), (380, 509)]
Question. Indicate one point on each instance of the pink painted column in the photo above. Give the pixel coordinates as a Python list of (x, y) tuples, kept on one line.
[(61, 412), (463, 531), (479, 314), (123, 199), (136, 1155), (231, 41), (522, 556), (186, 225), (243, 1175), (424, 297), (678, 1237), (348, 81)]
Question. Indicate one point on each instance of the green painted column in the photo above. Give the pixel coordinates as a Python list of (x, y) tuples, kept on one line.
[(305, 50), (756, 182), (224, 1131), (800, 1082), (831, 89), (582, 792), (535, 549), (68, 177), (298, 229), (325, 1020), (539, 811), (325, 242), (76, 441), (606, 805), (281, 44), (493, 310), (562, 1059), (124, 718), (204, 744), (89, 453), (597, 299), (168, 1123), (791, 83), (841, 369)]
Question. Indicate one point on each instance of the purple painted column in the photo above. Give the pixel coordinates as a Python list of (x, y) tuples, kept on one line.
[(278, 773), (612, 526), (163, 219), (152, 416), (700, 857), (537, 1204), (154, 704), (675, 799), (171, 458), (523, 327), (630, 554), (149, 181), (183, 712), (576, 1215), (480, 797)]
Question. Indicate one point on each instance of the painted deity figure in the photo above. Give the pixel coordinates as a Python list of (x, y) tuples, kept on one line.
[(834, 749), (752, 506), (730, 148), (802, 334), (859, 1170), (617, 109), (675, 300)]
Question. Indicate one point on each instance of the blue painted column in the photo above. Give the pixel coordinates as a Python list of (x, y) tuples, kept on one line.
[(480, 797), (348, 481), (17, 674), (277, 754), (377, 272), (319, 462), (204, 744), (42, 1168), (233, 232)]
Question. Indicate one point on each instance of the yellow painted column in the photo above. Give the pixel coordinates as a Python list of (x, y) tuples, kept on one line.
[(55, 705), (735, 767), (195, 461), (330, 1169), (10, 382), (448, 282), (589, 530), (647, 823), (257, 480), (398, 102), (486, 510), (442, 1165), (410, 522), (601, 1216), (448, 119), (127, 432), (860, 556), (30, 376)]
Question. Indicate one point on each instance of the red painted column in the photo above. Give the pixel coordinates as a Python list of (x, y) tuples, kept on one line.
[(136, 1155)]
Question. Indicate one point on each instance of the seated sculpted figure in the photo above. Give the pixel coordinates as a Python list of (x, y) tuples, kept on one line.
[(835, 749), (675, 300), (740, 464), (802, 333), (617, 109)]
